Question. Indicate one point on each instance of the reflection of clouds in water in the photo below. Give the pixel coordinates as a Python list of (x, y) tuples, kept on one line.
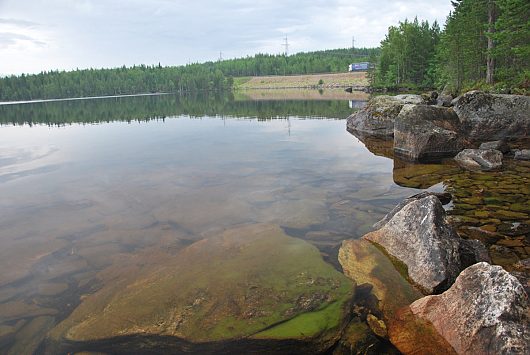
[(132, 191), (16, 162)]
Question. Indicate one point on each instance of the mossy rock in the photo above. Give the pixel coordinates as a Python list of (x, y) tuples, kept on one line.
[(250, 285), (364, 262), (509, 215)]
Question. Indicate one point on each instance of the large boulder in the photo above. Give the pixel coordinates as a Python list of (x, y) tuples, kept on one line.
[(484, 312), (488, 117), (444, 198), (427, 133), (377, 117), (420, 238), (479, 159), (251, 289)]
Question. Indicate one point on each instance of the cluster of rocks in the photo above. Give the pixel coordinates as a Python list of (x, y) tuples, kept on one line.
[(466, 305), (427, 128)]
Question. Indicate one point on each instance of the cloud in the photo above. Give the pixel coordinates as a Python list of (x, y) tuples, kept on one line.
[(8, 39), (18, 23), (110, 33)]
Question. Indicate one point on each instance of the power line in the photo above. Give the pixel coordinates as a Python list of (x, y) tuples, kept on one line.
[(286, 45)]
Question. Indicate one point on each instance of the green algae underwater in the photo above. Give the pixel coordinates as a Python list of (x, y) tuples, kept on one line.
[(90, 211)]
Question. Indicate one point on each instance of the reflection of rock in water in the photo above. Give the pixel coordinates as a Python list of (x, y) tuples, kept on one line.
[(252, 282), (380, 146), (422, 176)]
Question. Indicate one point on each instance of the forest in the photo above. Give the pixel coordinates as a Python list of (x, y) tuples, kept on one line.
[(209, 76), (485, 44)]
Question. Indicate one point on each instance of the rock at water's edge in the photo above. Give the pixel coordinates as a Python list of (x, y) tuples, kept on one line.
[(484, 312), (522, 154), (496, 145), (444, 198), (479, 159), (377, 117), (487, 117), (419, 236), (427, 133)]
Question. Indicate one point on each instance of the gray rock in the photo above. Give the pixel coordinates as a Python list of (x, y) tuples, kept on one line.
[(484, 312), (479, 159), (472, 251), (377, 117), (444, 100), (419, 236), (523, 154), (493, 116), (427, 133), (522, 272), (496, 145), (444, 197)]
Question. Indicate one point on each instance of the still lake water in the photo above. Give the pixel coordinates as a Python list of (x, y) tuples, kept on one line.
[(86, 184)]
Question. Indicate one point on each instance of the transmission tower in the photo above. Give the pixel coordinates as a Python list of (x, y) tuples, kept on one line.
[(286, 45), (220, 56), (352, 42)]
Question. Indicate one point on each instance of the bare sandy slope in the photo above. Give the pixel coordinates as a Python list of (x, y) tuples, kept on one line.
[(304, 81)]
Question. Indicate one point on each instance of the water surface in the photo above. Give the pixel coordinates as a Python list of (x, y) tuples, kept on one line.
[(88, 185)]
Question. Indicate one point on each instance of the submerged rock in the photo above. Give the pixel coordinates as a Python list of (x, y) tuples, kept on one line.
[(377, 117), (419, 237), (427, 133), (484, 312), (364, 263), (250, 289), (522, 154), (377, 326), (488, 117), (479, 159)]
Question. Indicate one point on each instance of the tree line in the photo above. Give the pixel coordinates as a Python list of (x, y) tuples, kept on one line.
[(485, 44), (209, 76)]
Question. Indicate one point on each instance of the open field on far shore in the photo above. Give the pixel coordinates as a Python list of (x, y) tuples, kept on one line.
[(302, 81), (301, 94)]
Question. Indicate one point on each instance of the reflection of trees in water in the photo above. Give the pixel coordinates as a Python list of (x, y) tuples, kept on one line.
[(146, 108)]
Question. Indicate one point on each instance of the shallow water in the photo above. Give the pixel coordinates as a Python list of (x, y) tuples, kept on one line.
[(88, 185)]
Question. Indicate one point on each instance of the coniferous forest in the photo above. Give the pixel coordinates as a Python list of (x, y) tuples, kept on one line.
[(485, 45), (209, 76)]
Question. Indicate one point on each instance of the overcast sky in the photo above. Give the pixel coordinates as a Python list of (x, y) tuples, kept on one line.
[(38, 35)]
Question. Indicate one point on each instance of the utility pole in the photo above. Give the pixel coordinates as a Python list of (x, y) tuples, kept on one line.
[(286, 45)]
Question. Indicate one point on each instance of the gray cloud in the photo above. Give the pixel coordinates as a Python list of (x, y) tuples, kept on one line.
[(103, 33), (8, 39), (18, 23)]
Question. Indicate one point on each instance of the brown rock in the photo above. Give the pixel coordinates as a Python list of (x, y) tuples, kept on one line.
[(377, 326), (484, 312)]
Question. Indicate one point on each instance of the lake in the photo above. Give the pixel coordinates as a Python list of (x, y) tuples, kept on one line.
[(87, 186)]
